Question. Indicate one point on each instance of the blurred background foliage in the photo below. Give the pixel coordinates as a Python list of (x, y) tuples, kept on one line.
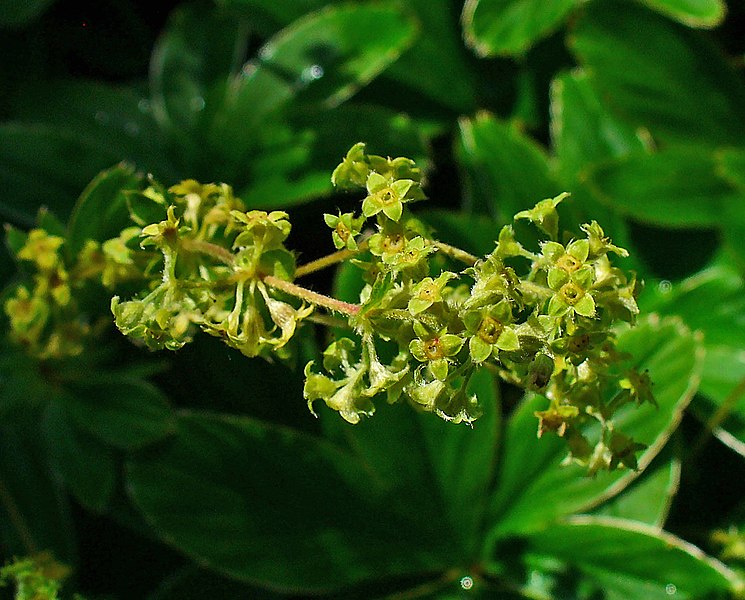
[(201, 474)]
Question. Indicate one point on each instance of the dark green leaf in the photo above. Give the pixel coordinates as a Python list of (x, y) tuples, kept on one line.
[(437, 65), (713, 302), (42, 165), (191, 66), (325, 56), (582, 129), (694, 13), (84, 464), (649, 497), (271, 506), (676, 187), (473, 233), (16, 14), (124, 413), (297, 165), (279, 12), (117, 120), (504, 170), (193, 583), (632, 560), (34, 512), (439, 472), (511, 26), (533, 488), (101, 211), (680, 86)]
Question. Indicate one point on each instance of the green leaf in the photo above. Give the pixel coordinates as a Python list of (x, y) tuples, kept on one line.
[(43, 165), (271, 506), (533, 488), (649, 497), (85, 465), (34, 512), (438, 472), (278, 12), (437, 66), (296, 166), (632, 560), (124, 413), (325, 57), (118, 120), (472, 233), (694, 13), (194, 583), (693, 96), (192, 62), (676, 187), (101, 211), (16, 14), (582, 129), (504, 170), (511, 26), (731, 166), (713, 302)]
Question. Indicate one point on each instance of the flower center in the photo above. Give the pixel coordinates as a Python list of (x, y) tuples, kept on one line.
[(433, 349), (490, 329), (343, 232), (394, 243), (568, 263), (571, 293)]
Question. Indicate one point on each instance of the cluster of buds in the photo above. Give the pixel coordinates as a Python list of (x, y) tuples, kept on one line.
[(43, 312), (541, 314), (541, 317)]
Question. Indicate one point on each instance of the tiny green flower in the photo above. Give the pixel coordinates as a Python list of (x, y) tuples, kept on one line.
[(164, 234), (427, 292), (259, 228), (344, 228), (491, 331), (436, 349), (388, 197), (41, 248), (571, 292), (353, 171), (544, 215)]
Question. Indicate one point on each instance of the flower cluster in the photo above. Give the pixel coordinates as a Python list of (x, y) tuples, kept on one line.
[(540, 314), (44, 314), (215, 263)]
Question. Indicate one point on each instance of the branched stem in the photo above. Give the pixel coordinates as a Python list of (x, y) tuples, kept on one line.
[(456, 253), (313, 297), (329, 260), (218, 252)]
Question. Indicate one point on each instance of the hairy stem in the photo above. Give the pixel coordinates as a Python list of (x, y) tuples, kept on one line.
[(313, 297), (456, 253), (217, 252), (329, 260)]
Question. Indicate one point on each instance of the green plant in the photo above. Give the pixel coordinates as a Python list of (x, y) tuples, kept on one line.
[(210, 463)]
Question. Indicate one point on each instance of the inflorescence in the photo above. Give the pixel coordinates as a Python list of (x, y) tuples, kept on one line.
[(540, 317)]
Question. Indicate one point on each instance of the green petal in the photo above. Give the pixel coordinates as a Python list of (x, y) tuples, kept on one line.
[(331, 220), (556, 306), (579, 249), (552, 250), (439, 368), (376, 182), (508, 340), (402, 187), (371, 206), (416, 347), (451, 344), (394, 211), (557, 278), (584, 277), (479, 349), (585, 306), (416, 305)]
